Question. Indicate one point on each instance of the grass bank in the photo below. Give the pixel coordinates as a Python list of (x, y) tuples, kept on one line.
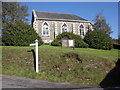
[(82, 65)]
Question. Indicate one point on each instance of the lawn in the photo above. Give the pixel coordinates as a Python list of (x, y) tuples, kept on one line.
[(82, 65)]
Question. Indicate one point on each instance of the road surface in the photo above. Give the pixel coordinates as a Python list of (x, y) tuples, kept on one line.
[(21, 82)]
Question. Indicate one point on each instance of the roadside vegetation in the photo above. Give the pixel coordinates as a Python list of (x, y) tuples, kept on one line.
[(82, 65)]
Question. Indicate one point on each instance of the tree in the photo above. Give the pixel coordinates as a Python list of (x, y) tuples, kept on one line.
[(16, 32), (19, 34), (12, 12), (100, 24)]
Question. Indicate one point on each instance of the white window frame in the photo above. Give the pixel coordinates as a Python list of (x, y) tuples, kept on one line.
[(48, 29), (82, 31), (62, 28)]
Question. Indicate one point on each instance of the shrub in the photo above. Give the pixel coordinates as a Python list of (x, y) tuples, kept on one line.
[(20, 34), (116, 46), (56, 42), (98, 40), (81, 44), (69, 35)]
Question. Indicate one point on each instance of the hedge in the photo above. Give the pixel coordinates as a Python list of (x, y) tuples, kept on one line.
[(98, 40)]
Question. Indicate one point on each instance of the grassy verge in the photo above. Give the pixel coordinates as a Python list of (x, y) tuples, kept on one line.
[(82, 65)]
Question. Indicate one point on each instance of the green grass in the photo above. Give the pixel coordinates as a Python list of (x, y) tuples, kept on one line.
[(55, 65)]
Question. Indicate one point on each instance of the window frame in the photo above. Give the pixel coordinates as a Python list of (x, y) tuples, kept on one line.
[(64, 27), (44, 32), (81, 30)]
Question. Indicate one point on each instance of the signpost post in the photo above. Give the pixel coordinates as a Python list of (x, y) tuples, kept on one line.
[(36, 52)]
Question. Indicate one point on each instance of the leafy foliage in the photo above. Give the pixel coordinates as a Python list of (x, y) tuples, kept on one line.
[(81, 44), (116, 46), (68, 35), (13, 12), (98, 40), (100, 24), (20, 34), (15, 31)]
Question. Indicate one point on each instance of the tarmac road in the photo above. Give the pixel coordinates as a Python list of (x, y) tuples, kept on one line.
[(21, 82)]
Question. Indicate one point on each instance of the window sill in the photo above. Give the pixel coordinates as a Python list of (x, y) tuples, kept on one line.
[(45, 35)]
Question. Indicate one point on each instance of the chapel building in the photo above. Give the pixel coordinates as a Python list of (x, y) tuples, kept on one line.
[(48, 24)]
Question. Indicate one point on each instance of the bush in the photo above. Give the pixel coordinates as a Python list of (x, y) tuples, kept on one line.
[(20, 34), (98, 40), (79, 43), (116, 46), (56, 42)]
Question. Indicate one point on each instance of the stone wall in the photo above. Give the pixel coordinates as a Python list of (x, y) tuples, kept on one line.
[(55, 28)]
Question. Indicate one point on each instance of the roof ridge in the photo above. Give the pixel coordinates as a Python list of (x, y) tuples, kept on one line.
[(42, 14), (55, 13)]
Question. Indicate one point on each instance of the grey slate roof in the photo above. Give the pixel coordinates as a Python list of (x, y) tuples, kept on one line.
[(52, 15)]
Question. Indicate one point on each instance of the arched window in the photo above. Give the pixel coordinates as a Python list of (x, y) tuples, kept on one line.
[(45, 29), (81, 30), (64, 28)]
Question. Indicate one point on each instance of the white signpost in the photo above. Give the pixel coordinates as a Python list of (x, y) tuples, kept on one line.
[(36, 51)]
